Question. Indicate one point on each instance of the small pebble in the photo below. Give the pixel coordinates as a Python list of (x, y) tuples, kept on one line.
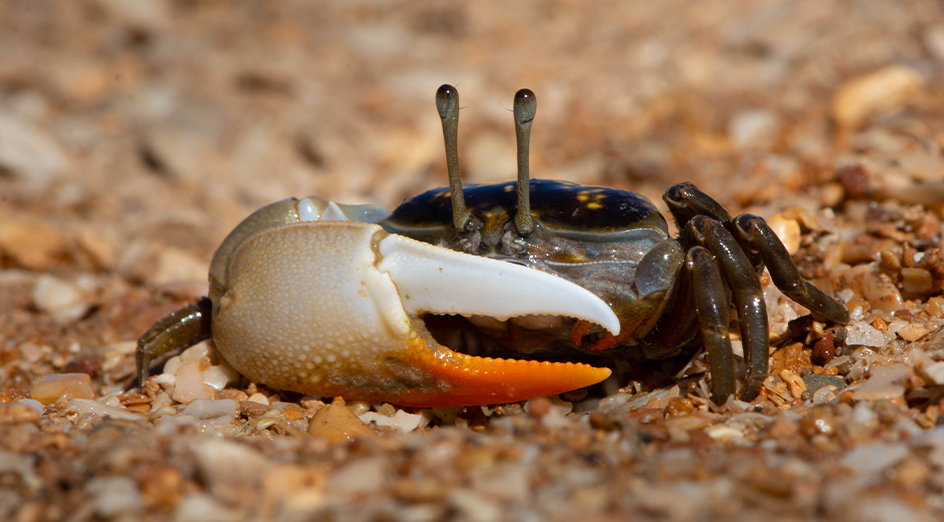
[(81, 81), (831, 194), (856, 370), (213, 411), (815, 381), (508, 481), (220, 376), (32, 403), (824, 349), (863, 414), (875, 458), (115, 496), (935, 372), (31, 352), (64, 386), (229, 465), (886, 508), (160, 484), (358, 407), (688, 422), (401, 420), (604, 421), (821, 421), (863, 334), (99, 245), (385, 409), (337, 423), (624, 402), (258, 397), (17, 412), (80, 406), (252, 409), (198, 507), (172, 366), (88, 364), (189, 386), (824, 394), (87, 421), (885, 382), (538, 407), (933, 38), (722, 432), (794, 383), (916, 280), (753, 129), (142, 16), (680, 406), (33, 246), (911, 332), (301, 485), (474, 506), (63, 300), (935, 306), (360, 477), (877, 288), (30, 153), (195, 352), (884, 90)]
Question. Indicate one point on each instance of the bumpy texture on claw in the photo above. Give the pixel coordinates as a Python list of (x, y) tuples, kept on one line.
[(306, 307)]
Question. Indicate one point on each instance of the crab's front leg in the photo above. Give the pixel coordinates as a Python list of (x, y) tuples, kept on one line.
[(335, 308)]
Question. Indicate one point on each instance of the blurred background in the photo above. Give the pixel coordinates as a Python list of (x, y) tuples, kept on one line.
[(129, 129), (135, 134)]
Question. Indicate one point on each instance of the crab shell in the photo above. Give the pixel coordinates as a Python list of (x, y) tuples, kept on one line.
[(313, 297)]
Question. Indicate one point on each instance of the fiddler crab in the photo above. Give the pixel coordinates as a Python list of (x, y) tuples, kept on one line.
[(328, 299)]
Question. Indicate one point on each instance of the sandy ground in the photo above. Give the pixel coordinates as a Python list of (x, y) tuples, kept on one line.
[(135, 135)]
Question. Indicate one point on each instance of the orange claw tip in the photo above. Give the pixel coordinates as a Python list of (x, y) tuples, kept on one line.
[(474, 381)]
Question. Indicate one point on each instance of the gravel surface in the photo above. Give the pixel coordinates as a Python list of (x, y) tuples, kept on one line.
[(135, 135)]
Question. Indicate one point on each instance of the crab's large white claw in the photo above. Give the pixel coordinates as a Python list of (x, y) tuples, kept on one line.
[(436, 280), (331, 308)]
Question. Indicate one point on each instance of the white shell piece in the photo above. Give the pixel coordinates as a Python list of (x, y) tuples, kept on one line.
[(307, 211), (436, 280), (333, 213)]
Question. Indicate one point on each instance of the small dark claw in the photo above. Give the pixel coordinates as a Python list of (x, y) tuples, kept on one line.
[(784, 272), (746, 293), (181, 329), (711, 308), (685, 202)]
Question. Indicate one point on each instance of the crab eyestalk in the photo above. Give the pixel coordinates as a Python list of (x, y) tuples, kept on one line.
[(526, 105), (447, 102)]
